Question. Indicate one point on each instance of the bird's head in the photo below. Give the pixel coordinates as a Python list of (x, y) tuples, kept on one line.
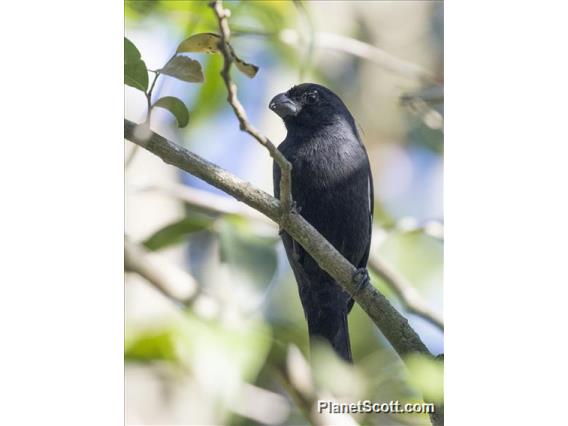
[(310, 105)]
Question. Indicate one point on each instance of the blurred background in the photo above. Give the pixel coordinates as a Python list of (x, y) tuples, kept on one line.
[(215, 332)]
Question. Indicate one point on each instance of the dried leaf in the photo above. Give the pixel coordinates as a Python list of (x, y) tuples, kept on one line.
[(209, 43), (247, 69)]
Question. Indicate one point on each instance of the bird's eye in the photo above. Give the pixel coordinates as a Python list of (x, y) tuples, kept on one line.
[(311, 97)]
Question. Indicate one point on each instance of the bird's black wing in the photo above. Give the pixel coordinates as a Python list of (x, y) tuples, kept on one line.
[(371, 194)]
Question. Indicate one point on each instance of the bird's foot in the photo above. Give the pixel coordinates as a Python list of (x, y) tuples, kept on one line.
[(295, 208), (361, 279)]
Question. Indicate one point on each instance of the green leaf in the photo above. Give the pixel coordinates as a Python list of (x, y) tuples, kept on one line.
[(136, 75), (135, 71), (176, 232), (150, 346), (131, 53), (176, 107), (203, 42), (183, 68)]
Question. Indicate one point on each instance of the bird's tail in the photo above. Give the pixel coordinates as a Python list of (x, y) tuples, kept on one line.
[(330, 324)]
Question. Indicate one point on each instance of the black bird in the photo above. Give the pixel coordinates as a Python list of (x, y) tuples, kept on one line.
[(332, 188)]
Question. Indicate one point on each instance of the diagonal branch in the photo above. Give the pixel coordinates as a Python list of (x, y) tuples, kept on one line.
[(392, 324), (407, 294), (350, 46), (286, 198), (285, 166), (362, 50), (204, 200), (159, 274)]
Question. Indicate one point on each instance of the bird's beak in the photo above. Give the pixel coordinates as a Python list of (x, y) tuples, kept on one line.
[(282, 105)]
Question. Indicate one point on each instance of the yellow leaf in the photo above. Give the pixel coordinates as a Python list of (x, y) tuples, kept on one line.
[(202, 42)]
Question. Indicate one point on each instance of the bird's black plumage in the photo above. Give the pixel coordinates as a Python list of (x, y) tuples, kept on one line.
[(333, 190)]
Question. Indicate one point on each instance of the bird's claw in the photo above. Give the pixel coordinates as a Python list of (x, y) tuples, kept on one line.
[(295, 208), (361, 279)]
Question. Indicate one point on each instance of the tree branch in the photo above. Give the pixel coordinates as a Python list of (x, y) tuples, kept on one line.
[(407, 294), (285, 166), (204, 200), (130, 156), (391, 323), (350, 46), (362, 50), (138, 260)]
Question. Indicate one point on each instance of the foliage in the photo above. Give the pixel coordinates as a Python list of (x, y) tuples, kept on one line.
[(239, 334), (135, 72), (178, 66), (177, 232)]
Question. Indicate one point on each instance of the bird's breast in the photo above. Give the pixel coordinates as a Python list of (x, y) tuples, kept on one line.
[(327, 167)]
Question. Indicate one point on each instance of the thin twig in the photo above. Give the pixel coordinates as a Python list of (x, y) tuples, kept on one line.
[(158, 274), (149, 97), (350, 46), (130, 157), (362, 50), (134, 150), (407, 294), (285, 166), (206, 201)]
